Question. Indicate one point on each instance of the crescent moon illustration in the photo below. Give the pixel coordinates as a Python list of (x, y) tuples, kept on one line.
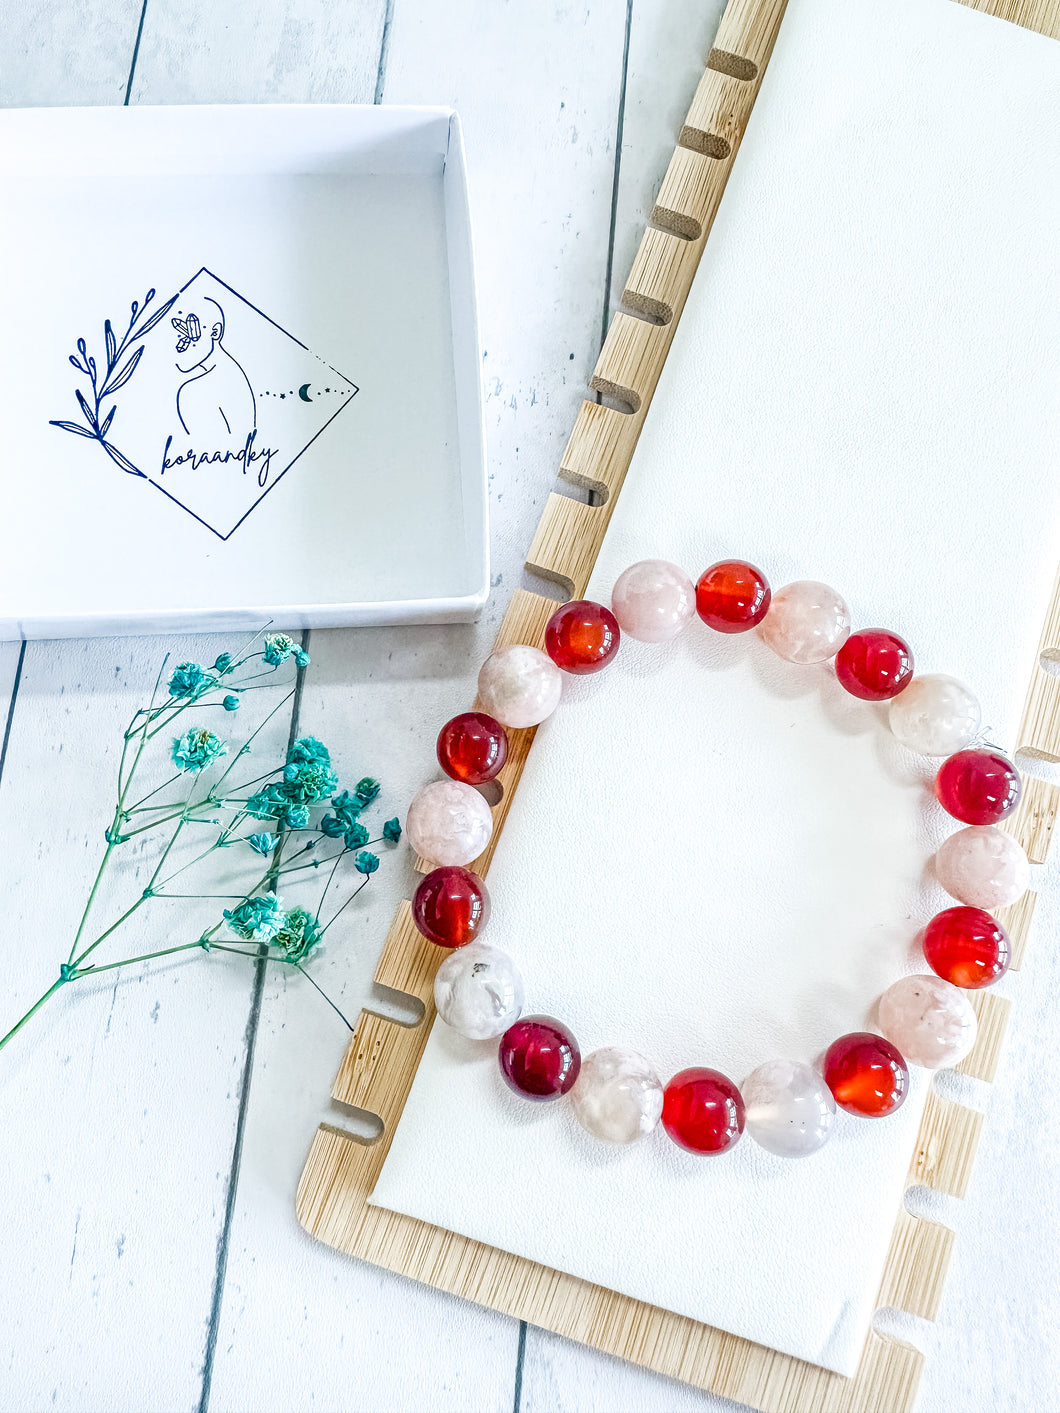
[(303, 393)]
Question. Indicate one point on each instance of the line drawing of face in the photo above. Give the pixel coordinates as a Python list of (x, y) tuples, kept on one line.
[(196, 341), (216, 400)]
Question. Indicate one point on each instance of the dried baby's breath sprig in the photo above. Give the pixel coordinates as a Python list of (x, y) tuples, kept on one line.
[(293, 796)]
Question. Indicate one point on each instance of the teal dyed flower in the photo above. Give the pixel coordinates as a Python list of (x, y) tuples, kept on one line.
[(223, 663), (231, 703), (299, 935), (356, 835), (308, 748), (308, 776), (278, 648), (392, 830), (263, 843), (296, 816), (366, 863), (301, 657), (347, 807), (366, 791), (187, 680), (197, 749), (333, 827), (266, 804), (257, 919)]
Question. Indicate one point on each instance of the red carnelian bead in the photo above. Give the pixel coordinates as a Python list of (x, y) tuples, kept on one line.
[(703, 1111), (451, 906), (539, 1057), (967, 947), (866, 1074), (978, 787), (874, 665), (732, 596), (582, 636), (472, 747)]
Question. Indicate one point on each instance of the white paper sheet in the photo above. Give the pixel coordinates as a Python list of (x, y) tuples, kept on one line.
[(719, 858)]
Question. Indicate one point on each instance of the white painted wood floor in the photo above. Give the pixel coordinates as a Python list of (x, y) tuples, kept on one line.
[(152, 1132)]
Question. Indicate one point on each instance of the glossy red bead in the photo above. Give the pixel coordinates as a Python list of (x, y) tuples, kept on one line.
[(978, 787), (874, 664), (866, 1074), (967, 947), (732, 596), (703, 1111), (472, 747), (539, 1057), (582, 636), (451, 906)]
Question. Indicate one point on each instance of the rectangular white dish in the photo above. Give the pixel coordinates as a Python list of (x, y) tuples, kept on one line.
[(301, 437)]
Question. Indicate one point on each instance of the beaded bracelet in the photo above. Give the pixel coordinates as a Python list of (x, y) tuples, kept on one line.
[(787, 1106)]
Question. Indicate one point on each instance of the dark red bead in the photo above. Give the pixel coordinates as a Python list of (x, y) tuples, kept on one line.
[(582, 636), (978, 787), (703, 1111), (866, 1074), (472, 747), (967, 947), (874, 664), (539, 1057), (451, 906), (732, 596)]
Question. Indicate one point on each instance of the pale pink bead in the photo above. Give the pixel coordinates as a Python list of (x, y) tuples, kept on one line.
[(519, 686), (930, 1021), (653, 600), (982, 867), (806, 622), (448, 822)]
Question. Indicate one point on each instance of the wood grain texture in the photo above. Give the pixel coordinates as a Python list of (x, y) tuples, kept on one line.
[(380, 1064), (332, 1204)]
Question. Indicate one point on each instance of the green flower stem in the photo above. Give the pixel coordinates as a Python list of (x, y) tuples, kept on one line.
[(315, 863), (327, 885), (143, 828), (219, 843), (31, 1012), (246, 744), (363, 884), (76, 961), (146, 957), (227, 896), (258, 955), (298, 967), (140, 803), (91, 899)]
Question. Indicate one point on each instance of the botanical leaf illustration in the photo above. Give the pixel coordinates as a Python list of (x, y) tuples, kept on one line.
[(126, 373), (158, 314), (112, 344), (123, 461), (108, 421), (74, 427), (90, 416)]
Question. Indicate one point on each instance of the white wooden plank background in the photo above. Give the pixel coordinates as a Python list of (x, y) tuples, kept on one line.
[(151, 1134)]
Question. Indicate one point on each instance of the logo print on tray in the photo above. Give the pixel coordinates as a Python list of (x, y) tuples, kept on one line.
[(217, 401)]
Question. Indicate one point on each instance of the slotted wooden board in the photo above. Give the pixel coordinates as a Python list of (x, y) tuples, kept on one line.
[(381, 1062)]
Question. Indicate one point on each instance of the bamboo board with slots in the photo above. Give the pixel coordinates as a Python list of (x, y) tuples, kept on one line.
[(381, 1061)]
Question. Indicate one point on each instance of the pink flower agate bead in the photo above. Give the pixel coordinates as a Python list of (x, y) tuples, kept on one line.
[(930, 1021), (982, 867), (806, 622), (520, 686), (448, 823), (653, 600)]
